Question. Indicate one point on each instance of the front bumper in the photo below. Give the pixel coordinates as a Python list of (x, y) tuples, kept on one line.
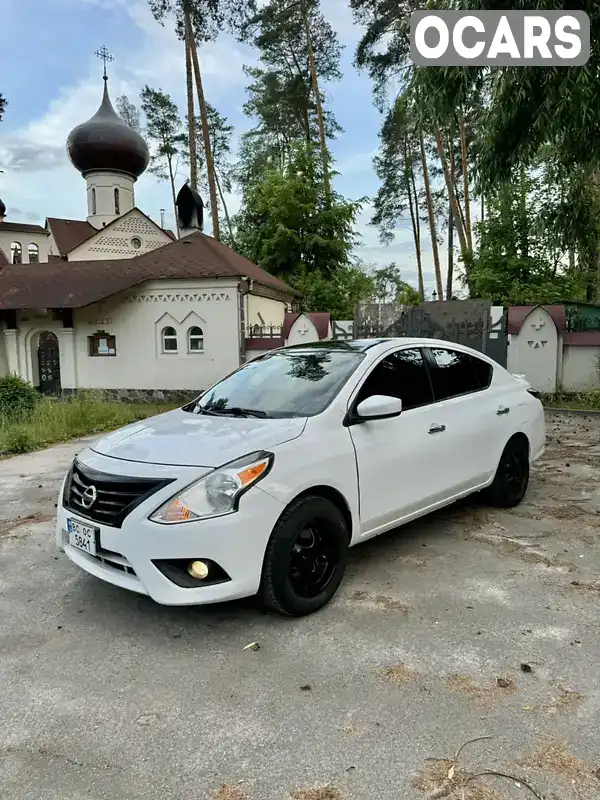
[(125, 557)]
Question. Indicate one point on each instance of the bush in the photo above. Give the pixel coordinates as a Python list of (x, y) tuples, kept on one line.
[(18, 398)]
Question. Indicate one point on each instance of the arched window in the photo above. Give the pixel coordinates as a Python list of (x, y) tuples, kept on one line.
[(33, 251), (117, 202), (93, 201), (16, 253), (169, 340), (195, 340)]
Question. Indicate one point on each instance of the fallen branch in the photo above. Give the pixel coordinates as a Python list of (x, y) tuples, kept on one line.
[(505, 775)]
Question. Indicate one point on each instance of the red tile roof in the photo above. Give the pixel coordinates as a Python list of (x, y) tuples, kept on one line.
[(518, 314), (69, 233), (75, 284), (320, 319)]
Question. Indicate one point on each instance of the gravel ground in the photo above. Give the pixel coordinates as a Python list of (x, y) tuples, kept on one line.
[(473, 622)]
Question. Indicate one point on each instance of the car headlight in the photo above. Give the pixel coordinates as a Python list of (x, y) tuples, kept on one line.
[(216, 494)]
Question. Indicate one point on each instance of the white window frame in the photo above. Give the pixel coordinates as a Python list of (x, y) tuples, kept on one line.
[(195, 337), (164, 336)]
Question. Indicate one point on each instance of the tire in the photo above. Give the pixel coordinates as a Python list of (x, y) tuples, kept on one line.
[(305, 558), (512, 476)]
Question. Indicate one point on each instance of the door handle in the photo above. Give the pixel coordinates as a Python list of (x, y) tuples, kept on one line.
[(436, 428), (502, 410)]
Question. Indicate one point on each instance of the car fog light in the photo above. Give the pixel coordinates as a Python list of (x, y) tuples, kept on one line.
[(197, 569)]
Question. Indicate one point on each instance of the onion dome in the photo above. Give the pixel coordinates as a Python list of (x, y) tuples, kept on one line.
[(2, 209), (106, 143)]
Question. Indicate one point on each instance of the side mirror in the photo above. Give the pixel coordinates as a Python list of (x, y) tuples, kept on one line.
[(379, 406)]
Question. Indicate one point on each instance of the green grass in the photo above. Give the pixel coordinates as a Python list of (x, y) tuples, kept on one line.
[(57, 421), (588, 401)]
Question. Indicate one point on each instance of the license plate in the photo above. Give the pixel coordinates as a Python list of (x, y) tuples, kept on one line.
[(82, 536)]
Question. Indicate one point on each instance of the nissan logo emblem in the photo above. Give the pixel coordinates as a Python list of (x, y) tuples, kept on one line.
[(88, 498)]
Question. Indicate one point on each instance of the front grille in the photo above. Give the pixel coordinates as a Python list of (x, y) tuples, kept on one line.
[(116, 496)]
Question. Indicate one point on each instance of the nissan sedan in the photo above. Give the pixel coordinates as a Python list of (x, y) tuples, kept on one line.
[(262, 484)]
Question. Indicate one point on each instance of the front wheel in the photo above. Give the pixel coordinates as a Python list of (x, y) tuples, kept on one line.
[(512, 476), (306, 557)]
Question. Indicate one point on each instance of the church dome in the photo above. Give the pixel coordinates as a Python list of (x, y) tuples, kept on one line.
[(2, 209), (106, 143)]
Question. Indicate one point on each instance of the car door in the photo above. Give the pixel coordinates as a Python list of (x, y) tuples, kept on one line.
[(466, 413), (395, 457)]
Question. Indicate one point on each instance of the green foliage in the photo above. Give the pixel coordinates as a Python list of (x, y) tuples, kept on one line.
[(58, 420), (287, 228), (163, 130), (280, 95), (389, 287), (129, 113), (339, 293), (579, 400), (3, 104), (18, 398), (520, 258)]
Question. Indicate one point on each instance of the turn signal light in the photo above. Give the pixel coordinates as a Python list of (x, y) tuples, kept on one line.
[(198, 570)]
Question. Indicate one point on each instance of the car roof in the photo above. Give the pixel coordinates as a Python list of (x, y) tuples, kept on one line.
[(362, 345)]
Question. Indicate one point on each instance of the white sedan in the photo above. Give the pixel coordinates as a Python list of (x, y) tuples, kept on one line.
[(261, 485)]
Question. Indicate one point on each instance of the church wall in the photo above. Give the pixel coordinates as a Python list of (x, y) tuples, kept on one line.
[(119, 240), (138, 320), (101, 197), (271, 311), (43, 241)]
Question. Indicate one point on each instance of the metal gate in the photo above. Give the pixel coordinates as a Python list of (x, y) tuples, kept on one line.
[(49, 363), (474, 323)]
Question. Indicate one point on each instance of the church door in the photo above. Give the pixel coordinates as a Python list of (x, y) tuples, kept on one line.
[(49, 363)]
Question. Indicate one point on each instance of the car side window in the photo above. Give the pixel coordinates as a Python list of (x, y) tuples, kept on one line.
[(402, 374), (454, 373)]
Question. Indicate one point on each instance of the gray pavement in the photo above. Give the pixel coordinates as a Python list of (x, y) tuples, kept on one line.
[(104, 694)]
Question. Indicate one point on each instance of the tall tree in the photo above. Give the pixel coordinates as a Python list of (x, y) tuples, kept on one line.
[(220, 133), (299, 51), (3, 104), (129, 113), (165, 134), (191, 118), (198, 21), (287, 227)]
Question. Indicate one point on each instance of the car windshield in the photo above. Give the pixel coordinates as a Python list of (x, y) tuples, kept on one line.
[(284, 384)]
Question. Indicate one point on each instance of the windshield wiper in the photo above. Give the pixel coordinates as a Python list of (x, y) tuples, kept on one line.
[(236, 411)]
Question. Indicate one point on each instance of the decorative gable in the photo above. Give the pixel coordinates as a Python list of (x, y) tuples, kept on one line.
[(126, 237)]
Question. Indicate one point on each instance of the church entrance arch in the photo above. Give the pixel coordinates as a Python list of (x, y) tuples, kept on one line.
[(48, 357)]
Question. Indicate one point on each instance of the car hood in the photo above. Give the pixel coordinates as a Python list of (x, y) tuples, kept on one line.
[(179, 438)]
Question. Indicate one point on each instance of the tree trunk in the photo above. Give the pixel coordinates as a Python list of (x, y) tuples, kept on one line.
[(318, 105), (210, 167), (192, 143), (172, 182), (225, 211), (431, 216), (482, 207), (458, 224), (450, 273), (413, 202), (465, 175)]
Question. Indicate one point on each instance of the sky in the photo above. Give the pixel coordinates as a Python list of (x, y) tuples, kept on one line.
[(55, 82)]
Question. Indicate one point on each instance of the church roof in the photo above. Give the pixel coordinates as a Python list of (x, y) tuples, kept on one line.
[(75, 284), (21, 227), (69, 233), (3, 259), (107, 143)]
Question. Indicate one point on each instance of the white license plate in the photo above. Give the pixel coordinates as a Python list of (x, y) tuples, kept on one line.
[(82, 536)]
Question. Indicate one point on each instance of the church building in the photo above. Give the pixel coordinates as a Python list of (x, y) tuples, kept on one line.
[(116, 302)]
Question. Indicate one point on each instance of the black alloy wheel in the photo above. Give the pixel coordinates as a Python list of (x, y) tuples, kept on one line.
[(305, 558), (512, 476)]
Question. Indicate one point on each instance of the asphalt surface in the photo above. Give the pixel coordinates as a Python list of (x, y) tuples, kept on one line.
[(104, 694)]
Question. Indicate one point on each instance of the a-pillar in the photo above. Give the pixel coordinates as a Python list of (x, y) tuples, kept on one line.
[(68, 360), (12, 351)]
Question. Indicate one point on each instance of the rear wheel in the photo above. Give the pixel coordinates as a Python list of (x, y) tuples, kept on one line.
[(305, 558), (512, 476)]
